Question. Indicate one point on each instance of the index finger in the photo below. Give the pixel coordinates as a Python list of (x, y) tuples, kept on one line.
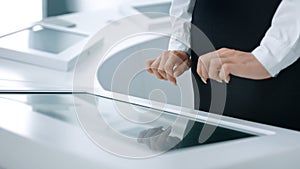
[(170, 64)]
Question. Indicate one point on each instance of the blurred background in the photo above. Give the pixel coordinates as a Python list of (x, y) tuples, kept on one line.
[(18, 12)]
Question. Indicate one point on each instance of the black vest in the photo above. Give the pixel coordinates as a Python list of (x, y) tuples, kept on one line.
[(241, 25)]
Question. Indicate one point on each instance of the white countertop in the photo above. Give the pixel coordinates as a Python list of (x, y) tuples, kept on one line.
[(30, 139)]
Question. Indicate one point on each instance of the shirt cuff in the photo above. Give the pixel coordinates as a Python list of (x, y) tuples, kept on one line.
[(177, 45), (266, 59)]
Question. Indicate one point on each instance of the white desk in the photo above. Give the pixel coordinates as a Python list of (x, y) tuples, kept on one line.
[(17, 71), (88, 23), (31, 139)]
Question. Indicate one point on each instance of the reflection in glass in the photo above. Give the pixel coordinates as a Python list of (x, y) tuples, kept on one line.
[(160, 134)]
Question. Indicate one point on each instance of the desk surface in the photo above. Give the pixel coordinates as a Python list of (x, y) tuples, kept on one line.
[(17, 71), (39, 127), (31, 134)]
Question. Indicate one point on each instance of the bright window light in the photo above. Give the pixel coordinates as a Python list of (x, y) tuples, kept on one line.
[(18, 12)]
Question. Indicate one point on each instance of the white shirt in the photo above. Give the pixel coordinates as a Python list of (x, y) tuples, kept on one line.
[(279, 48)]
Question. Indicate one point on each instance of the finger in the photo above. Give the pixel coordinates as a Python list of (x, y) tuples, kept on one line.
[(154, 68), (161, 66), (214, 69), (141, 136), (153, 140), (199, 66), (162, 74), (149, 134), (172, 79), (227, 62), (145, 133), (234, 69), (170, 64), (180, 69), (163, 136), (208, 66), (199, 70), (149, 63), (225, 72), (203, 71)]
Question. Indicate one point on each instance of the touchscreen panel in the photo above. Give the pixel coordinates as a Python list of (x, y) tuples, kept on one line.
[(220, 134), (61, 107)]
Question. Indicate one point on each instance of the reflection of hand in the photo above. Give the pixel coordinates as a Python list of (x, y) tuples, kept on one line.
[(158, 139), (170, 65), (220, 64)]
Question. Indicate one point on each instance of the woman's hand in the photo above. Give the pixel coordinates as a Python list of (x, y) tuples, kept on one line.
[(220, 64), (169, 65)]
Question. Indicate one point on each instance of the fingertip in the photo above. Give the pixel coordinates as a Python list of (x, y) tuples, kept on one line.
[(227, 79), (171, 79), (203, 80), (150, 71), (173, 82), (158, 76), (161, 78), (167, 131)]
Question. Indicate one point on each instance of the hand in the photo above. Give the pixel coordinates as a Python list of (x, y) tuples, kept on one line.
[(158, 139), (220, 64), (169, 66)]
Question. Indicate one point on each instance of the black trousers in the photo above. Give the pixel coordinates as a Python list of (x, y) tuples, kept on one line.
[(241, 25)]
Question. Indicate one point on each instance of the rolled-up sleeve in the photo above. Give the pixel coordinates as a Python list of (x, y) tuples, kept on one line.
[(281, 45), (181, 17)]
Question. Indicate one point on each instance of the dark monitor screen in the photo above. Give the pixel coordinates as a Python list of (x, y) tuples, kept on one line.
[(220, 134), (55, 105)]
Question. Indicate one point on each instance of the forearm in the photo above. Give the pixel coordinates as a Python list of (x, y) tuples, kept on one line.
[(281, 45), (181, 17)]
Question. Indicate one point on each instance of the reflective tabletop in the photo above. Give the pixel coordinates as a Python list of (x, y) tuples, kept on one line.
[(78, 130)]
